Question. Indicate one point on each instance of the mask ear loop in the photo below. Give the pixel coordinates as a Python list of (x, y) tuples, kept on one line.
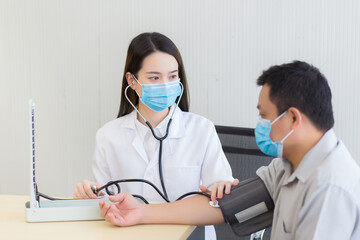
[(278, 117), (292, 130), (287, 135)]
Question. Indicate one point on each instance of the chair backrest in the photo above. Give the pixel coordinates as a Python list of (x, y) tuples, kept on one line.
[(245, 158)]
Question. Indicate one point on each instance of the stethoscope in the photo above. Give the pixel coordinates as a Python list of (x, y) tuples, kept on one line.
[(96, 191), (164, 195), (160, 139)]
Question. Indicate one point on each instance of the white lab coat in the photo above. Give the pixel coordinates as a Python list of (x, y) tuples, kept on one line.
[(192, 155)]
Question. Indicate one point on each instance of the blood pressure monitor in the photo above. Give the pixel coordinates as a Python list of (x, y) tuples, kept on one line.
[(248, 208)]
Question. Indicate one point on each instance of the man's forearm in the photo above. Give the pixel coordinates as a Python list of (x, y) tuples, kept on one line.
[(193, 211)]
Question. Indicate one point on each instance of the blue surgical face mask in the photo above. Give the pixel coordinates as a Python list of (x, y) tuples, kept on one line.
[(263, 140), (158, 97)]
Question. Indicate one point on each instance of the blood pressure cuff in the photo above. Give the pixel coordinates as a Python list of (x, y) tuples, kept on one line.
[(248, 208)]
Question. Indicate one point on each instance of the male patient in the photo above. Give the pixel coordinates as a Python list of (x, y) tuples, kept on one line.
[(314, 181)]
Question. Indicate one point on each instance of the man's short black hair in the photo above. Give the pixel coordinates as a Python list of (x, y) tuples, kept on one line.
[(300, 85)]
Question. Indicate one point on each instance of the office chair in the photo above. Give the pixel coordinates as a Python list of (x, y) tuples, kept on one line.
[(245, 158)]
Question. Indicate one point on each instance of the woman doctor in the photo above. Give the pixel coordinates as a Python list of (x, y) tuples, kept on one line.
[(154, 93)]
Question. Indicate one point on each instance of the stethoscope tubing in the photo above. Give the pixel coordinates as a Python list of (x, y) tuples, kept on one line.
[(160, 139), (116, 183)]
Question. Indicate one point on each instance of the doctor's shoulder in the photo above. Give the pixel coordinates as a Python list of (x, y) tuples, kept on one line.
[(116, 127), (198, 123)]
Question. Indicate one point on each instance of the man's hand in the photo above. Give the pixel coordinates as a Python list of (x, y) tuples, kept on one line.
[(126, 211)]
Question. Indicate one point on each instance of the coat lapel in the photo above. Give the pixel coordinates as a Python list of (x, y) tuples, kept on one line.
[(139, 146), (176, 131), (129, 122)]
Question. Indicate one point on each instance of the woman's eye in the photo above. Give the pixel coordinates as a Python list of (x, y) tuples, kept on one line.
[(172, 77), (154, 78)]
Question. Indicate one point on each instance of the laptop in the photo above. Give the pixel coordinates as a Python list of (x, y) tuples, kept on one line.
[(59, 209)]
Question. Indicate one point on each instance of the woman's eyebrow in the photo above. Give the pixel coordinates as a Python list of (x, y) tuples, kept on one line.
[(153, 72)]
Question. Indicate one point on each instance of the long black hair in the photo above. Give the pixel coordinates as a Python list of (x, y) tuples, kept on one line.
[(140, 47)]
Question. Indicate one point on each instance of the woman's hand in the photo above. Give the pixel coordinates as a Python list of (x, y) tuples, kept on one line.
[(126, 211), (84, 189), (217, 189)]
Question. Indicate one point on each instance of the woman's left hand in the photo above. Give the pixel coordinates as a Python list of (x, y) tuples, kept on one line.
[(219, 188)]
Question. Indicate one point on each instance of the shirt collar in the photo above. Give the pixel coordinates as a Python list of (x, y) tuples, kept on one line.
[(313, 158)]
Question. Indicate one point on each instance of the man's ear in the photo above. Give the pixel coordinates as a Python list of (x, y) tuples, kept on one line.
[(296, 116), (130, 80)]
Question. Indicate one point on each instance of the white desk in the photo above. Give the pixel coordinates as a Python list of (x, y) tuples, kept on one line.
[(14, 226)]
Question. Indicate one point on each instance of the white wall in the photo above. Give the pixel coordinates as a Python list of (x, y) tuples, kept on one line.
[(69, 56)]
